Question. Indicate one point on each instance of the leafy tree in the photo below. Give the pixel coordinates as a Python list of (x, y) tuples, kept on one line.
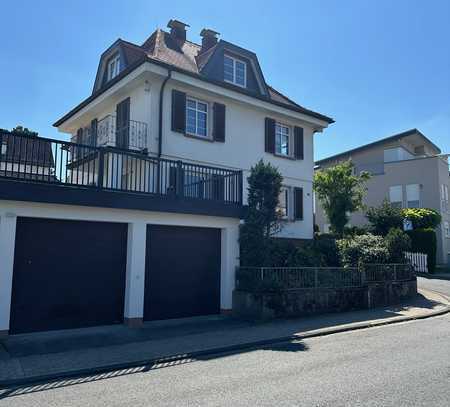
[(24, 131), (262, 219), (340, 192), (384, 217)]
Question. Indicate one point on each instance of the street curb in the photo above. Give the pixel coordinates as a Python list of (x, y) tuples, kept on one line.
[(5, 384), (434, 276)]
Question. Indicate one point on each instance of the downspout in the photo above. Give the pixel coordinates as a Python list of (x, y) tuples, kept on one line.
[(160, 128), (161, 99)]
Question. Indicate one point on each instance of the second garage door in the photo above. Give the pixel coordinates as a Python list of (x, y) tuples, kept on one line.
[(182, 272), (67, 274)]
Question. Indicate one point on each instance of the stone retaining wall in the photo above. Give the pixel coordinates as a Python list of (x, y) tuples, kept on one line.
[(303, 302)]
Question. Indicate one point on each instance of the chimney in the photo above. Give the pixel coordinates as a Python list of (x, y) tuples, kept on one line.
[(177, 29), (209, 39)]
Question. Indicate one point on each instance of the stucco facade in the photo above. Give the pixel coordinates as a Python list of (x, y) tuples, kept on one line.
[(244, 145)]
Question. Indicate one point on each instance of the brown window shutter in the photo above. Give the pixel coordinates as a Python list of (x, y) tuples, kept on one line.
[(298, 203), (298, 143), (79, 137), (94, 132), (270, 135), (219, 122), (178, 111)]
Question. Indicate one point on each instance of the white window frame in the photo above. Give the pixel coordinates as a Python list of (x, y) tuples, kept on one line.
[(196, 110), (285, 210), (234, 79), (409, 186), (113, 68), (278, 133), (390, 195)]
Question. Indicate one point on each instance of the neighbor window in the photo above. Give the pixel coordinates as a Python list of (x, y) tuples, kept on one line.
[(282, 135), (113, 67), (235, 71), (396, 196), (3, 148), (283, 202), (413, 195), (396, 154), (444, 198), (196, 117)]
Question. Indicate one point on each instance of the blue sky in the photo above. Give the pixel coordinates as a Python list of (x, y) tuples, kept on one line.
[(376, 67)]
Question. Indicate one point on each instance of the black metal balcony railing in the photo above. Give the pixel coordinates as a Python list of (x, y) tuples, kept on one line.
[(52, 161), (132, 135)]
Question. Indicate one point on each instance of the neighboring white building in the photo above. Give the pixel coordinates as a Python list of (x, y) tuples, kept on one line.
[(148, 201)]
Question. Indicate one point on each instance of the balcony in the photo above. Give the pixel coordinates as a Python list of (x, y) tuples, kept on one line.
[(66, 172), (132, 135)]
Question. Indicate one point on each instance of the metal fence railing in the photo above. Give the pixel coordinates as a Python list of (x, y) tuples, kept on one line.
[(289, 278), (37, 159), (375, 273)]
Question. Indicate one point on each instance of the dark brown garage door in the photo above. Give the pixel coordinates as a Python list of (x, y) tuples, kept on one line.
[(182, 277), (67, 274)]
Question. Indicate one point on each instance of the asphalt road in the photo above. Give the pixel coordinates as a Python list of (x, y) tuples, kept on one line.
[(397, 365)]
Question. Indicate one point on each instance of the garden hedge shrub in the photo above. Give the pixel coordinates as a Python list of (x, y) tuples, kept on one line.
[(384, 217), (422, 218), (363, 249), (425, 241), (397, 242)]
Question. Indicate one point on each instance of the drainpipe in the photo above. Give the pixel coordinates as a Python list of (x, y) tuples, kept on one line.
[(160, 129), (161, 99)]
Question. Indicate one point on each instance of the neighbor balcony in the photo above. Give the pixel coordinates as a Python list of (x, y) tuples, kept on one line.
[(48, 170)]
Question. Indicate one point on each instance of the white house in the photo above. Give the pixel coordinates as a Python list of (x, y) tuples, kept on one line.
[(141, 220)]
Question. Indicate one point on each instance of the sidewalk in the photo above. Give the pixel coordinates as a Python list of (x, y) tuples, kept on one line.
[(51, 355)]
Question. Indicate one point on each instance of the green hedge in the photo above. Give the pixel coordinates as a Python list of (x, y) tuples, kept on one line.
[(425, 241), (422, 218)]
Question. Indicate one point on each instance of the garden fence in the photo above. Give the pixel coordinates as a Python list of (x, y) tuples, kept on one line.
[(289, 278), (419, 261)]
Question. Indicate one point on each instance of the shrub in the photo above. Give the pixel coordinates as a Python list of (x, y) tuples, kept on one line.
[(362, 249), (422, 218), (350, 231), (397, 242), (284, 253), (326, 252), (425, 241), (384, 218)]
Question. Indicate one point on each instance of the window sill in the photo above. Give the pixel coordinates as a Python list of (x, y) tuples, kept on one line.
[(236, 84), (195, 136), (287, 157)]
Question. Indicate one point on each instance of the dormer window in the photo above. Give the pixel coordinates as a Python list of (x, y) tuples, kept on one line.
[(235, 71), (113, 67)]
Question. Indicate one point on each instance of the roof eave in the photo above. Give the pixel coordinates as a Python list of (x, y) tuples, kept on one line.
[(146, 58)]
